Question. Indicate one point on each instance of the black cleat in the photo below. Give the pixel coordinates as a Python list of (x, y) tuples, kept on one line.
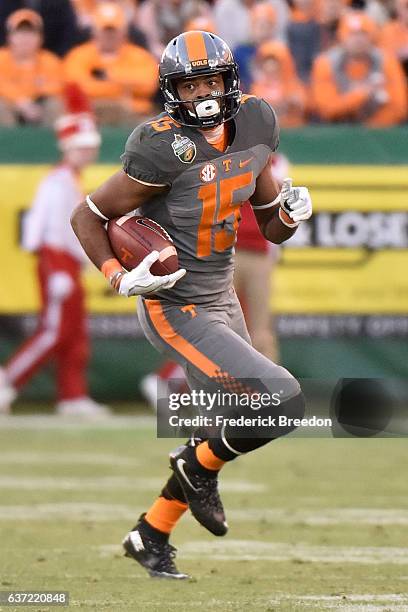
[(200, 489), (155, 556)]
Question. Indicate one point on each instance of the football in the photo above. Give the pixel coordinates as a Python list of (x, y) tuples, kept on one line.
[(132, 238)]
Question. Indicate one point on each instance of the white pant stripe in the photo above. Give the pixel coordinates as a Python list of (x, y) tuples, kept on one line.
[(42, 344)]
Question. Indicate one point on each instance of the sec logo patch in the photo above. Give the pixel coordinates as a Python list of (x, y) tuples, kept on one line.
[(208, 173)]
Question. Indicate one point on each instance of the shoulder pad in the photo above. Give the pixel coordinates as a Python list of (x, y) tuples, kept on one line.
[(162, 125), (262, 119), (148, 154)]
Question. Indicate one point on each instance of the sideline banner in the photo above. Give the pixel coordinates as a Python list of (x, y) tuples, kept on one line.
[(351, 256), (350, 259)]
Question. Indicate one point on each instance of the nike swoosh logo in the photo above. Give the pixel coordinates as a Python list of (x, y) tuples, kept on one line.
[(180, 464), (136, 540), (244, 163)]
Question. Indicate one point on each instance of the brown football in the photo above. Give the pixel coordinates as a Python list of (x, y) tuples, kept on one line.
[(132, 238)]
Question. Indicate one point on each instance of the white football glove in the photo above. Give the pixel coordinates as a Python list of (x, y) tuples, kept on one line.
[(295, 201), (140, 281)]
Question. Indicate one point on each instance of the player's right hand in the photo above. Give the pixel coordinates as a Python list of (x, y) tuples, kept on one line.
[(295, 201), (140, 281)]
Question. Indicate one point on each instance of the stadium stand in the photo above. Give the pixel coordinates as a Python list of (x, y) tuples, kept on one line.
[(122, 79)]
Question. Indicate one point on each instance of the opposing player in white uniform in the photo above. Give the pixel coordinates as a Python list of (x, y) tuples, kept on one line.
[(62, 333)]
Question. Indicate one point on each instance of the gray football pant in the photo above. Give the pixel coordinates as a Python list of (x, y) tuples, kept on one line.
[(212, 344)]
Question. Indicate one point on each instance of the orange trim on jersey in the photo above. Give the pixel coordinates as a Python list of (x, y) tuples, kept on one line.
[(245, 97), (195, 45), (180, 344), (163, 124)]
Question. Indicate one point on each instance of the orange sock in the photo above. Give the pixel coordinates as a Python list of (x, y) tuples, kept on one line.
[(165, 513), (206, 457)]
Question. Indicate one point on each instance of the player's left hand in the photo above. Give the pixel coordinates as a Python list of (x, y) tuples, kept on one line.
[(295, 201), (140, 281)]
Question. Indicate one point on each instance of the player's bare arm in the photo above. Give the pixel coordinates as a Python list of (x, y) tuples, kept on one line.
[(119, 195), (279, 211)]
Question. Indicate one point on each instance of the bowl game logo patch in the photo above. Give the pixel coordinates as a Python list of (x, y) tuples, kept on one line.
[(184, 148)]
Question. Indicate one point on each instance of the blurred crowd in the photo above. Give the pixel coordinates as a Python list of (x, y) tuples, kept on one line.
[(315, 61)]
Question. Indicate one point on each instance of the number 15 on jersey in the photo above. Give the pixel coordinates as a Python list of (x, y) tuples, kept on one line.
[(218, 206)]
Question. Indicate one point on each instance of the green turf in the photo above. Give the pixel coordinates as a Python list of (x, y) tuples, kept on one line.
[(67, 497)]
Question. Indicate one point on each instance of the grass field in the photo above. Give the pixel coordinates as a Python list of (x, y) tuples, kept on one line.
[(317, 524)]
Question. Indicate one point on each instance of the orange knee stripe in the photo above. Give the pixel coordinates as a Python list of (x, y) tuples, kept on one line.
[(206, 457), (180, 344), (165, 513)]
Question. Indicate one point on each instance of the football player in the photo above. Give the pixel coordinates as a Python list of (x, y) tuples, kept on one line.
[(189, 169)]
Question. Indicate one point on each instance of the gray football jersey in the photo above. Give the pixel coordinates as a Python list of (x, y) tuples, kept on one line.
[(206, 187)]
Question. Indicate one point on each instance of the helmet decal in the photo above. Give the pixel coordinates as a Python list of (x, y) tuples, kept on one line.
[(196, 49)]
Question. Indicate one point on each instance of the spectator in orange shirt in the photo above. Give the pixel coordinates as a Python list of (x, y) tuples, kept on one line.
[(279, 85), (357, 81), (30, 77), (395, 34), (119, 78)]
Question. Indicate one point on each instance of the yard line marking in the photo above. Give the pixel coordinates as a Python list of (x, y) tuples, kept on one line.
[(71, 511), (109, 512), (28, 483), (51, 421), (256, 550), (28, 458), (352, 597), (346, 602), (278, 551), (31, 483), (365, 607), (322, 517)]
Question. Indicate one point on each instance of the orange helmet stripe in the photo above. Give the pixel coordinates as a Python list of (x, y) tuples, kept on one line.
[(195, 45)]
